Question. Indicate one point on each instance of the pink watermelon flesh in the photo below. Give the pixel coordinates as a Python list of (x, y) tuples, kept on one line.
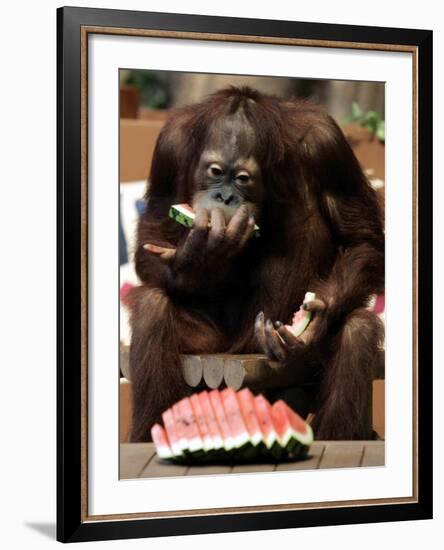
[(218, 408), (301, 318), (187, 206), (180, 428), (210, 417), (170, 427), (161, 442), (281, 422), (228, 419), (289, 424), (189, 423), (297, 423), (263, 412), (234, 417), (201, 422), (246, 403)]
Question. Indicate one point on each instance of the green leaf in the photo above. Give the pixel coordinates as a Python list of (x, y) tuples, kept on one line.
[(371, 121), (356, 111), (380, 131)]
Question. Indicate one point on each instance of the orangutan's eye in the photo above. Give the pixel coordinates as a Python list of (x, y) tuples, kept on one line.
[(243, 177), (215, 170)]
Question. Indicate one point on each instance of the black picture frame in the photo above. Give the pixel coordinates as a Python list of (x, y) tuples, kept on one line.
[(72, 522)]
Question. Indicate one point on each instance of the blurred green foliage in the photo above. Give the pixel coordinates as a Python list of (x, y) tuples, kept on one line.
[(370, 120), (154, 93)]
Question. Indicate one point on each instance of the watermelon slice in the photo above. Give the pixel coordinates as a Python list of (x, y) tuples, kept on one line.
[(218, 408), (292, 432), (228, 426), (301, 430), (210, 417), (190, 429), (180, 428), (234, 417), (201, 421), (246, 402), (161, 442), (173, 436), (184, 214), (263, 412), (301, 318)]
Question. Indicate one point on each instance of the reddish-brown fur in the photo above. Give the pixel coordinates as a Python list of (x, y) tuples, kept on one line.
[(321, 230)]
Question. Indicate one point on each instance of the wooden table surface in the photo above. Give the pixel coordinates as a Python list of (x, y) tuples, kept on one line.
[(139, 460)]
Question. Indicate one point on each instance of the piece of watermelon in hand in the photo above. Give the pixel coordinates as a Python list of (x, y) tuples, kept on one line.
[(301, 318), (185, 215)]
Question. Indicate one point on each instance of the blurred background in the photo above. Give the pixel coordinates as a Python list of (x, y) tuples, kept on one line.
[(146, 99), (147, 96)]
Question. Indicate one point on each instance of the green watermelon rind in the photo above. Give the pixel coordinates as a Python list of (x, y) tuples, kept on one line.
[(295, 449)]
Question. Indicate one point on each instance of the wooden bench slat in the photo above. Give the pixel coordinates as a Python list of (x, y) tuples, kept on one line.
[(206, 469), (140, 460), (157, 468), (244, 468), (133, 459), (374, 454), (310, 463), (342, 455)]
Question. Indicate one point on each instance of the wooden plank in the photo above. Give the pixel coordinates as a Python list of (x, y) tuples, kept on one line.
[(140, 460), (379, 407), (310, 463), (244, 468), (124, 360), (133, 459), (374, 454), (342, 454), (158, 468), (379, 366), (125, 410), (200, 470)]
